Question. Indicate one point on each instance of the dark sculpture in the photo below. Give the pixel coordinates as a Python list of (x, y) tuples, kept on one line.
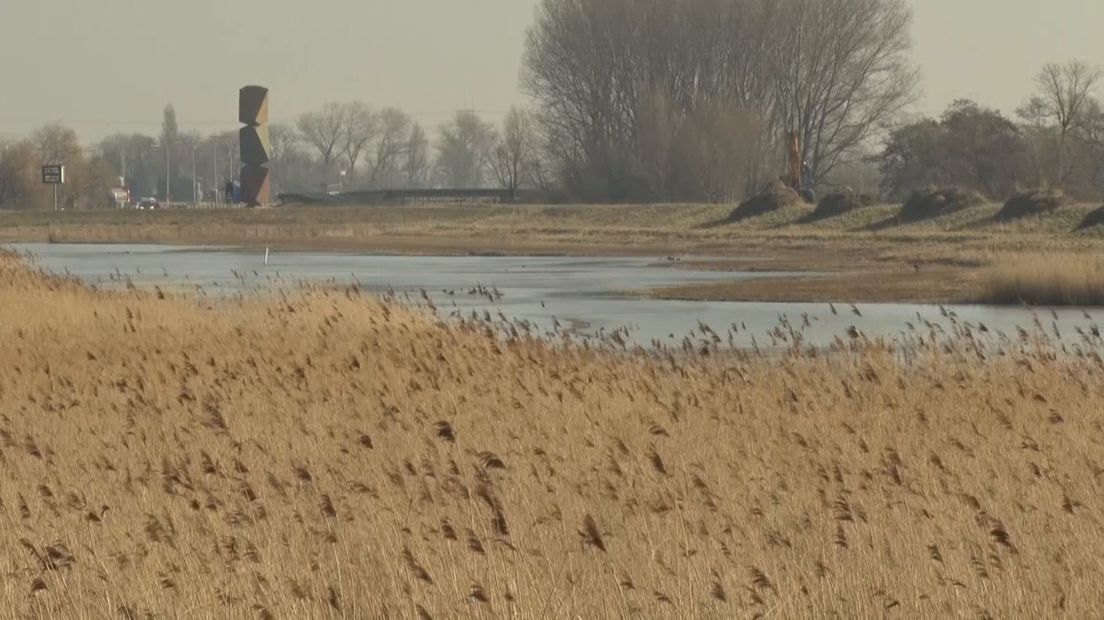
[(256, 149), (253, 106)]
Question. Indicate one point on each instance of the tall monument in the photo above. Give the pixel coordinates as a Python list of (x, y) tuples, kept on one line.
[(256, 148)]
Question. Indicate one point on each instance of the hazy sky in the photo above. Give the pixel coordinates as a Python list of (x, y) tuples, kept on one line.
[(102, 66)]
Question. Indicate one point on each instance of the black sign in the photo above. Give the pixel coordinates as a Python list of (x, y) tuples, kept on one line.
[(53, 174)]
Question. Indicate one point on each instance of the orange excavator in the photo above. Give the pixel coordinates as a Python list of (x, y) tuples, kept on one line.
[(798, 176)]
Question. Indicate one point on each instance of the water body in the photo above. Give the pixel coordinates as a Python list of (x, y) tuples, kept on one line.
[(592, 295)]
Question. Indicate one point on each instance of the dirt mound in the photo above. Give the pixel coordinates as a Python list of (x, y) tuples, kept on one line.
[(1031, 203), (1093, 219), (833, 205), (925, 204), (777, 196)]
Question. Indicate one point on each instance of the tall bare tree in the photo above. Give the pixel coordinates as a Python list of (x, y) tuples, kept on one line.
[(843, 73), (835, 70), (513, 155), (284, 140), (57, 144), (1064, 99), (416, 160), (17, 174), (390, 144), (135, 158), (464, 150), (324, 131), (361, 128), (170, 141)]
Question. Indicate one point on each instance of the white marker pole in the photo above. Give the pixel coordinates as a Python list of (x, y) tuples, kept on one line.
[(266, 257)]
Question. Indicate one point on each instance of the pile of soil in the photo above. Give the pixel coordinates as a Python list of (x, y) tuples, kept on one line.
[(1031, 203), (1093, 219), (933, 202), (777, 196), (833, 205)]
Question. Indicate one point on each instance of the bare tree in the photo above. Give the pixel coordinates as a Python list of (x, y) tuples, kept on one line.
[(284, 139), (721, 152), (513, 156), (17, 173), (324, 130), (464, 150), (1064, 99), (843, 72), (835, 70), (170, 138), (416, 164), (361, 127), (391, 143), (135, 158), (59, 144), (56, 144)]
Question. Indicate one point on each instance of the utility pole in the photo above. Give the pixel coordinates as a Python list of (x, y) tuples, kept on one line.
[(168, 182), (230, 166), (214, 171), (195, 198)]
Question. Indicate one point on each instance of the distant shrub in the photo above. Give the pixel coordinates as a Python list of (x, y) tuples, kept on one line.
[(1031, 203), (933, 202)]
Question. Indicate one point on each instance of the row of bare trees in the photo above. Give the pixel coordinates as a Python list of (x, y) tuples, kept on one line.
[(387, 149), (348, 145)]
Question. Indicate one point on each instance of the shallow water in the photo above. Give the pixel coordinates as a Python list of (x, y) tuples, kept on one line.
[(589, 294)]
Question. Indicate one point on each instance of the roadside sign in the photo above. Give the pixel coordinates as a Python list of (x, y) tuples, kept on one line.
[(53, 174)]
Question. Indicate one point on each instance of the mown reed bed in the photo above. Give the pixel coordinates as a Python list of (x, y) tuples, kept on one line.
[(328, 454)]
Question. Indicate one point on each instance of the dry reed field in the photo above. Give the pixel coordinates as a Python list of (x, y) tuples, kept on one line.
[(327, 454), (1056, 278)]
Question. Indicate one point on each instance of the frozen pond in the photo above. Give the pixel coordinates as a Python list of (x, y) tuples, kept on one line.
[(592, 295)]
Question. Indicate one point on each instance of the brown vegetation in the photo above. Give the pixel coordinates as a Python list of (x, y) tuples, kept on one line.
[(326, 454)]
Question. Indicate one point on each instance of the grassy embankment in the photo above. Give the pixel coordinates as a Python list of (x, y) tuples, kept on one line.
[(867, 255), (328, 454)]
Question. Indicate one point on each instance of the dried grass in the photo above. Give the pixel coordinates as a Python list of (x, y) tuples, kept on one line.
[(325, 454), (1056, 279)]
